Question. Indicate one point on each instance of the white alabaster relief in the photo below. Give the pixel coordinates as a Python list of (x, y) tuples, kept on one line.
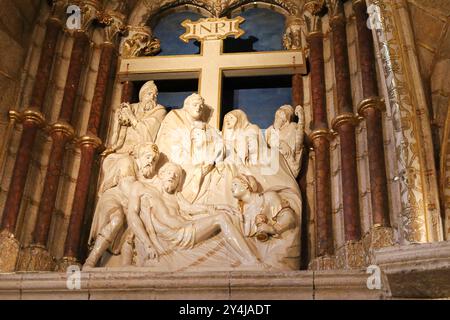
[(289, 135), (138, 122), (179, 195)]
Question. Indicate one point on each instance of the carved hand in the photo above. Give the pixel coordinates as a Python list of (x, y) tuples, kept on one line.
[(265, 228)]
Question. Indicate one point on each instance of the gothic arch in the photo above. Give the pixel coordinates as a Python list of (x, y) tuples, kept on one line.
[(146, 10), (286, 8)]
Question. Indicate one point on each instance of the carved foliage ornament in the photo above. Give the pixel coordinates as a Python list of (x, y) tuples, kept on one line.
[(140, 42)]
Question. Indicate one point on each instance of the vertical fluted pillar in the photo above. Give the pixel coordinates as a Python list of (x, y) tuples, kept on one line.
[(344, 124), (36, 256), (320, 134), (61, 132), (90, 142), (32, 120), (88, 146), (371, 109)]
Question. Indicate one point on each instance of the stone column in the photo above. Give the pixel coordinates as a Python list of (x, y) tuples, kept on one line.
[(36, 257), (371, 108), (292, 40), (32, 119), (90, 142), (344, 124), (127, 91), (320, 137)]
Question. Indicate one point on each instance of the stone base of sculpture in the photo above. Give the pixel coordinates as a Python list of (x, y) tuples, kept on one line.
[(36, 258), (10, 248)]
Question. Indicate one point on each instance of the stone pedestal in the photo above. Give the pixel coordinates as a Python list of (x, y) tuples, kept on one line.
[(36, 258), (140, 284), (378, 237), (323, 263), (416, 270), (9, 249), (66, 262), (351, 256)]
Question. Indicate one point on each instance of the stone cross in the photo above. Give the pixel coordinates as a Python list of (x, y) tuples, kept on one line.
[(211, 65)]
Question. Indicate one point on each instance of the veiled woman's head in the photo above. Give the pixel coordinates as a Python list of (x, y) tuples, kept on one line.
[(235, 120)]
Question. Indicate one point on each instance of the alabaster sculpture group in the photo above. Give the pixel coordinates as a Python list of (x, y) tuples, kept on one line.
[(178, 194)]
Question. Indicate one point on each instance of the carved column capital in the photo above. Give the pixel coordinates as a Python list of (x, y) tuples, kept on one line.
[(89, 11), (373, 102), (34, 116), (89, 140), (345, 117), (292, 38), (58, 11), (15, 116), (63, 128), (320, 133), (113, 24), (140, 42), (313, 9), (336, 11)]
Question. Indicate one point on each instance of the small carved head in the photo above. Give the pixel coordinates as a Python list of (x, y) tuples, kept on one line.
[(148, 95), (194, 105), (146, 156), (170, 175), (242, 185), (284, 115)]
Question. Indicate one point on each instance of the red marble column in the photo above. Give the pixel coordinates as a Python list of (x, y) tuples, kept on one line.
[(371, 109), (32, 120), (297, 90), (88, 146), (321, 145), (345, 124), (127, 91), (61, 133)]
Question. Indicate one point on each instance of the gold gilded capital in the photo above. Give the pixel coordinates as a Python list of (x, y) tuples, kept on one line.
[(346, 117), (15, 116), (373, 102), (89, 140), (63, 128), (34, 116), (320, 133)]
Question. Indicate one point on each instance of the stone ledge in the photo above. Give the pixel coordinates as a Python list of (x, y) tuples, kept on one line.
[(140, 284), (416, 270)]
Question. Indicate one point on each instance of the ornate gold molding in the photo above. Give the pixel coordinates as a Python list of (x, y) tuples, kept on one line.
[(412, 135), (140, 42)]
